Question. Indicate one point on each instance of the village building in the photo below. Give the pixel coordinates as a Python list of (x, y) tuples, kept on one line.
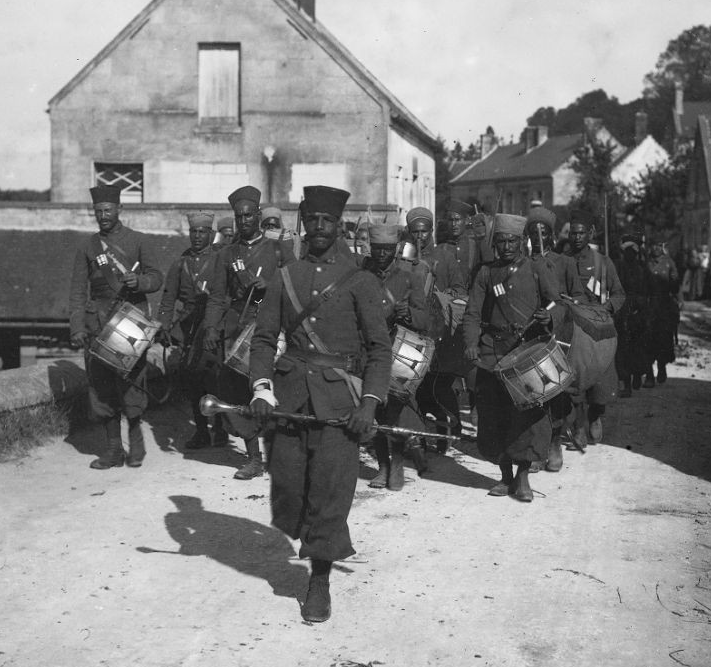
[(192, 100), (696, 227)]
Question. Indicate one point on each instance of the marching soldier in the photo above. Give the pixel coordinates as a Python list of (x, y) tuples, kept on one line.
[(436, 393), (242, 272), (403, 300), (601, 284), (225, 231), (115, 266), (539, 229), (336, 366), (507, 296), (631, 320), (461, 245), (188, 282), (663, 308)]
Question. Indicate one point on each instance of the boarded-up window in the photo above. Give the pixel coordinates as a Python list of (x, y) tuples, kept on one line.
[(128, 177), (218, 82)]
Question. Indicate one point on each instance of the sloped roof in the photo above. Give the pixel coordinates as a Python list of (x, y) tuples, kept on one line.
[(704, 134), (37, 268), (513, 162), (685, 124), (637, 160), (399, 113), (456, 167)]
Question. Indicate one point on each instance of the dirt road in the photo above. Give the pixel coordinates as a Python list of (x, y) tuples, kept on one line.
[(176, 564)]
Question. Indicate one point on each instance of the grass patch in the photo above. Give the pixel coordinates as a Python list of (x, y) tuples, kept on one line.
[(23, 430)]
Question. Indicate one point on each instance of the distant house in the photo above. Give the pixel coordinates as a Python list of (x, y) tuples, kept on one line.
[(644, 156), (684, 117), (540, 167), (696, 228), (193, 99)]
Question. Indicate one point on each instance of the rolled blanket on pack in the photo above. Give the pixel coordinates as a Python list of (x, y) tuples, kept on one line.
[(590, 331)]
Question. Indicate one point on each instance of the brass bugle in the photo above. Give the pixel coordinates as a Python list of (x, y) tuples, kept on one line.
[(210, 405)]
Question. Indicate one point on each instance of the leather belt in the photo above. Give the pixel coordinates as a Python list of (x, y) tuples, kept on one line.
[(347, 362)]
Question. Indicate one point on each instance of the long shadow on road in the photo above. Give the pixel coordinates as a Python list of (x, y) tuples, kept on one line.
[(241, 544)]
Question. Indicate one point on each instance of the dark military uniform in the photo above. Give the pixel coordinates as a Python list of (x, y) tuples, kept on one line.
[(314, 469), (92, 302), (502, 301), (189, 281), (663, 310), (601, 284), (464, 252), (235, 267)]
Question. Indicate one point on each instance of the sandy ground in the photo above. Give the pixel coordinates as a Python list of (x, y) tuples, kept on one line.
[(176, 564)]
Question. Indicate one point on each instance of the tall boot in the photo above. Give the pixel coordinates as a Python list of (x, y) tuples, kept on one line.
[(522, 489), (555, 454), (317, 607), (201, 438), (626, 391), (503, 488), (661, 373), (220, 437), (396, 479), (380, 481), (136, 445), (114, 454), (254, 467)]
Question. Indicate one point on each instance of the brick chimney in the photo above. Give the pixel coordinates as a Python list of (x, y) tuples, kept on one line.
[(487, 143), (308, 7), (591, 126), (640, 127), (535, 136), (679, 98)]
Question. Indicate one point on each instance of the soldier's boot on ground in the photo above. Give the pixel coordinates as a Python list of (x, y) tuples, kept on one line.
[(503, 488), (636, 381), (537, 466), (114, 455), (254, 467), (201, 438), (136, 445), (626, 391), (649, 380), (580, 439), (595, 413), (418, 451), (661, 373), (396, 479), (555, 455), (380, 481), (220, 437), (521, 487), (317, 607)]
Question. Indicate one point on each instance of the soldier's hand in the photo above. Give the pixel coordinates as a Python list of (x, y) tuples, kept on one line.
[(164, 338), (472, 353), (402, 310), (78, 340), (258, 283), (211, 339), (130, 279), (542, 316), (261, 409), (362, 418)]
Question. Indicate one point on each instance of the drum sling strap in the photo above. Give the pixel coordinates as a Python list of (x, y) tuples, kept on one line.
[(302, 315), (503, 298), (102, 258)]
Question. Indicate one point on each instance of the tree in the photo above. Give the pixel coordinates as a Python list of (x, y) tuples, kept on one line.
[(593, 164), (457, 151), (686, 59), (441, 157), (657, 201)]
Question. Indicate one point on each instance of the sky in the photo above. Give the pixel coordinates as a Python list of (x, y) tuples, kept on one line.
[(459, 65)]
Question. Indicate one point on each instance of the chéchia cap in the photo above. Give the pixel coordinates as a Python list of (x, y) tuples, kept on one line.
[(227, 221), (271, 212), (505, 223), (246, 193), (324, 199), (580, 217), (200, 219), (105, 194), (458, 206), (542, 215), (417, 216), (384, 234)]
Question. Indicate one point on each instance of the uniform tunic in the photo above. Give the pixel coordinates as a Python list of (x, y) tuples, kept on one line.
[(236, 266), (663, 308), (463, 250), (502, 301), (631, 321), (595, 269), (92, 302), (314, 469)]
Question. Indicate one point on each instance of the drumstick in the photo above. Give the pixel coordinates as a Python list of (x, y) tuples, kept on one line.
[(540, 236), (135, 266), (532, 320)]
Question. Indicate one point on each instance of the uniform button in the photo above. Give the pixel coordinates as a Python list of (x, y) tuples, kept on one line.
[(384, 301), (310, 372), (312, 346), (319, 269), (312, 319), (314, 292)]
